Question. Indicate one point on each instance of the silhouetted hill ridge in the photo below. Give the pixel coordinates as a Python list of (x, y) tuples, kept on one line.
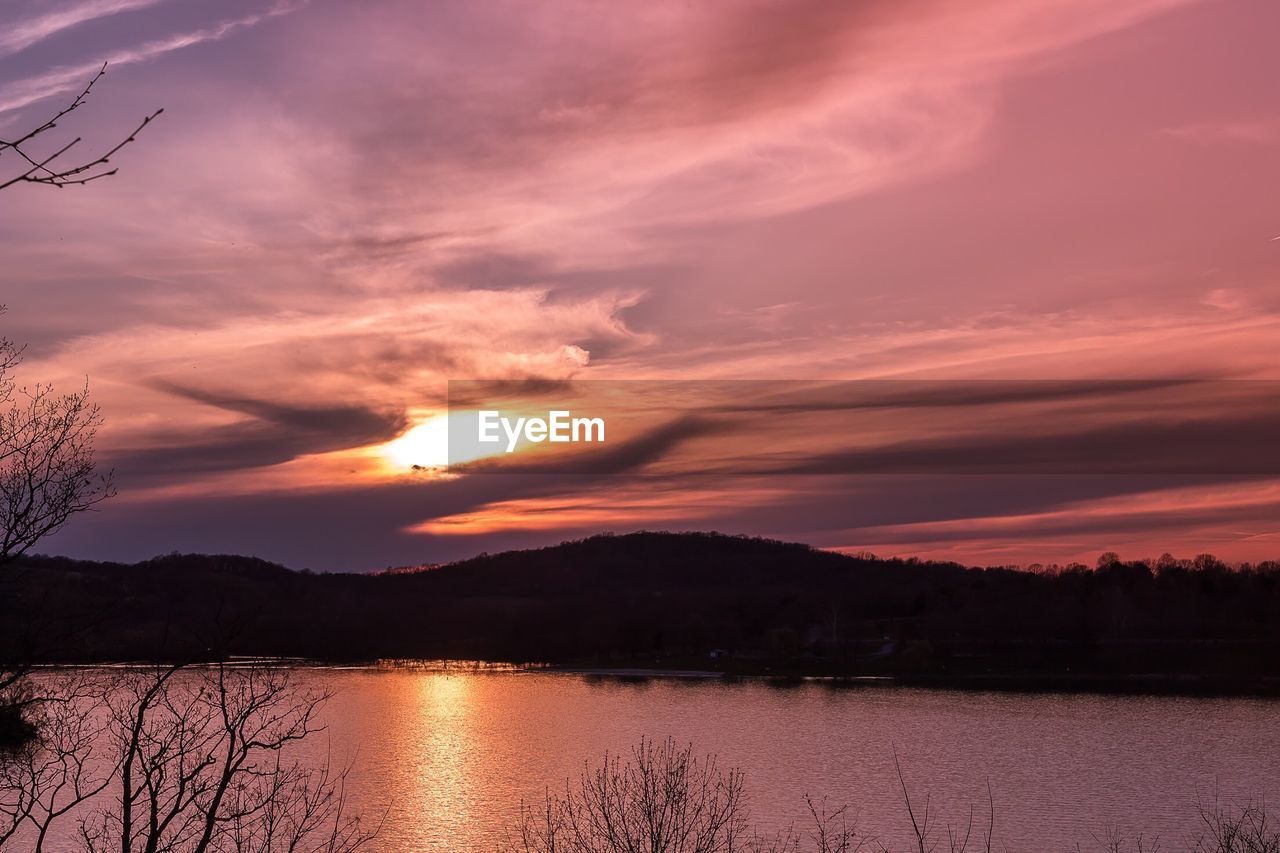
[(649, 559), (668, 598)]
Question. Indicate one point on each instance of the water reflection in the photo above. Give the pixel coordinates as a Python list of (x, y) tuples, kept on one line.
[(456, 752)]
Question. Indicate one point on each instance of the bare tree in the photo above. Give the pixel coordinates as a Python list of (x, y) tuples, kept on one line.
[(46, 778), (1247, 829), (47, 471), (664, 798), (179, 759), (46, 440), (53, 167), (830, 832), (1244, 829), (923, 829), (206, 764), (47, 475), (1116, 841)]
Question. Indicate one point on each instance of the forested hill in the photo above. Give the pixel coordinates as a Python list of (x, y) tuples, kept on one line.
[(688, 600)]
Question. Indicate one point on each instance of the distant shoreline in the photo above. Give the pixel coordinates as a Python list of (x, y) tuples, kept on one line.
[(1144, 684), (1151, 684), (682, 605)]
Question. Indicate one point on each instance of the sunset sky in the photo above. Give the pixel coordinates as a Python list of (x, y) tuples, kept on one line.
[(346, 205)]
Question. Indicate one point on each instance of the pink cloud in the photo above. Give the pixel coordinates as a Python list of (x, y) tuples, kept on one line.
[(343, 208)]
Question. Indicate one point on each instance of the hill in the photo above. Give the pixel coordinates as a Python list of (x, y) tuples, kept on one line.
[(703, 601)]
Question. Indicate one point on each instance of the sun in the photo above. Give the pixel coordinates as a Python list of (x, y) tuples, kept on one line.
[(426, 443)]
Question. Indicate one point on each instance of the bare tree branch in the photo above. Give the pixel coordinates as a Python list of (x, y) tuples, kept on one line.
[(47, 471), (206, 766), (45, 169)]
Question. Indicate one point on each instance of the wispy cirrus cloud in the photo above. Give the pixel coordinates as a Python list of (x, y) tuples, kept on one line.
[(64, 78), (343, 210), (19, 35)]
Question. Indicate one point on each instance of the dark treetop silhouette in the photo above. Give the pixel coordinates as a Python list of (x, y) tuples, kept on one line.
[(702, 601)]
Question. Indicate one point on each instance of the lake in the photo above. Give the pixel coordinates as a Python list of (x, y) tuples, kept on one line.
[(453, 753)]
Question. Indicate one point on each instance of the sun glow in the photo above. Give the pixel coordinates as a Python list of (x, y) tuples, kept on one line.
[(426, 443)]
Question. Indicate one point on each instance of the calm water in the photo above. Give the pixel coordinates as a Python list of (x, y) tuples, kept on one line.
[(453, 754)]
